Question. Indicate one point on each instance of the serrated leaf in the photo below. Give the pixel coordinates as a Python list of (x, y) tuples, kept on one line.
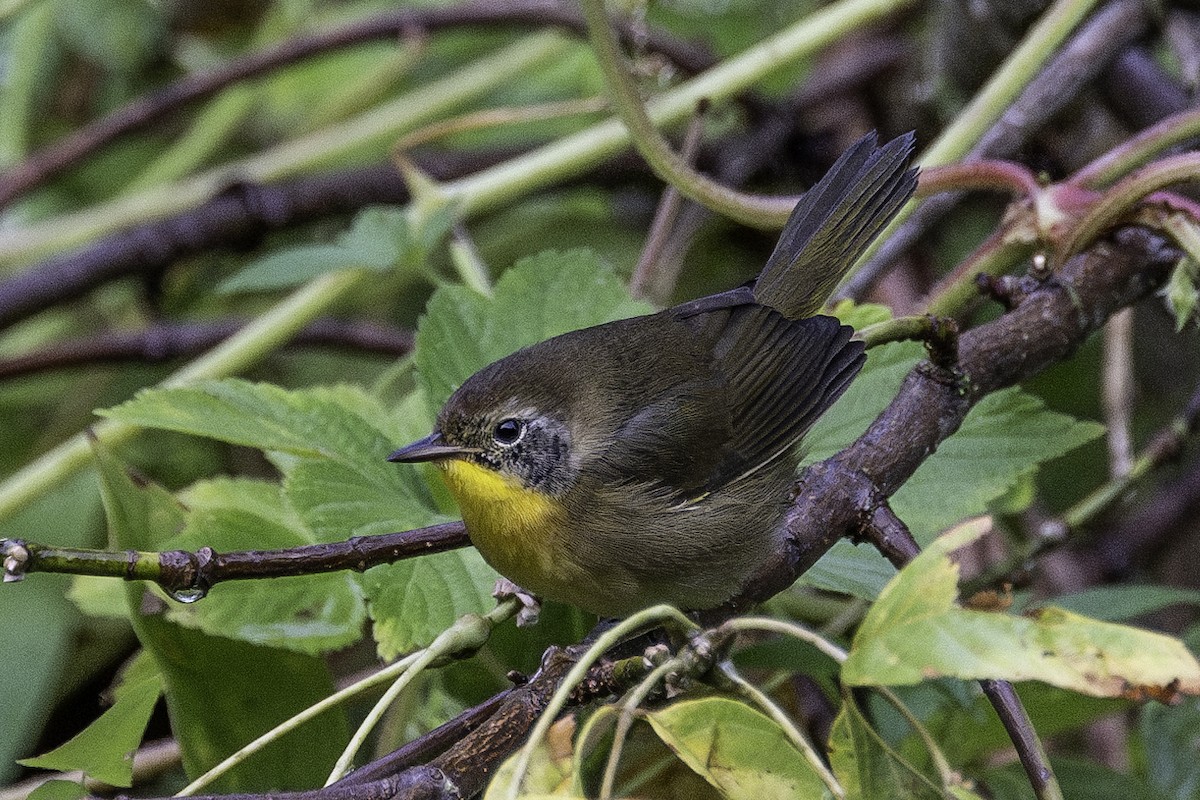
[(867, 396), (338, 481), (463, 331), (413, 601), (999, 444), (309, 614), (866, 766), (916, 630), (221, 693), (858, 570), (104, 749), (1006, 435), (337, 499), (338, 422), (738, 750)]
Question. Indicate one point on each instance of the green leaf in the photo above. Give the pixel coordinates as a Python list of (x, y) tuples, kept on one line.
[(284, 269), (339, 422), (1005, 436), (858, 570), (39, 628), (220, 693), (1000, 443), (381, 239), (1181, 292), (412, 601), (917, 631), (969, 731), (463, 331), (59, 790), (104, 750), (1170, 744), (375, 242), (1113, 603), (337, 479), (866, 766), (309, 614), (738, 750), (867, 396), (546, 776), (1079, 779)]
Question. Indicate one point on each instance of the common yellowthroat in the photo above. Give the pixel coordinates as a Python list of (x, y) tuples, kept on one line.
[(648, 460)]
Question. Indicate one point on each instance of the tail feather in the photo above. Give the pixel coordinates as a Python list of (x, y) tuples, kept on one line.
[(834, 223)]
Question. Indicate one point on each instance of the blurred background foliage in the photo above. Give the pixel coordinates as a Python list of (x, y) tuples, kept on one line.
[(64, 63)]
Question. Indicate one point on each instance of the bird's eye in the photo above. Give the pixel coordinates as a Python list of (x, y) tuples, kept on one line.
[(508, 432)]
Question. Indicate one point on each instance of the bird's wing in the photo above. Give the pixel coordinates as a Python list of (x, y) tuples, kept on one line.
[(673, 439), (780, 376)]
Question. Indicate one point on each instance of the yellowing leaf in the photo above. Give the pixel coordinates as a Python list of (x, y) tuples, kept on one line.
[(738, 750), (549, 775), (916, 630)]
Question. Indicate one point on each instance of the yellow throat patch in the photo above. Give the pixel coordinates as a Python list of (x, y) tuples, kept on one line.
[(513, 526)]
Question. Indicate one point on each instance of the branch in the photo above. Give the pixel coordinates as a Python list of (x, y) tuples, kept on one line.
[(238, 217), (166, 341), (1081, 60), (835, 496), (44, 164), (189, 574)]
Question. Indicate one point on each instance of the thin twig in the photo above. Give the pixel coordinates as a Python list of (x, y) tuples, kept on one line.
[(753, 210), (179, 571), (1117, 391), (166, 341), (642, 283)]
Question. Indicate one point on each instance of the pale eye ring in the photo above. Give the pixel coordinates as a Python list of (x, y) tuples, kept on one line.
[(508, 432)]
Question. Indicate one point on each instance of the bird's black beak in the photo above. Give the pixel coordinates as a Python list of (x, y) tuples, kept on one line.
[(431, 448)]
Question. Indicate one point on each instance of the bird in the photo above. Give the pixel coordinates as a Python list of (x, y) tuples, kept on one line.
[(649, 460)]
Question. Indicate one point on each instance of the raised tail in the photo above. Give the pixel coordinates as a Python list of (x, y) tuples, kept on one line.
[(834, 222)]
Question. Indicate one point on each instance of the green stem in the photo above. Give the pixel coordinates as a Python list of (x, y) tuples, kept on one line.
[(772, 710), (126, 564), (483, 191), (1138, 150), (656, 615), (573, 154), (246, 347), (754, 210), (373, 128), (1021, 66), (384, 675), (959, 292), (629, 708), (467, 635), (934, 331), (1120, 199)]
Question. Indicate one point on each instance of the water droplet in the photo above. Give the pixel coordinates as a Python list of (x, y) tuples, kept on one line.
[(187, 596)]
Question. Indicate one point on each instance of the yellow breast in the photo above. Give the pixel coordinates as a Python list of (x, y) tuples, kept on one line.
[(514, 527)]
